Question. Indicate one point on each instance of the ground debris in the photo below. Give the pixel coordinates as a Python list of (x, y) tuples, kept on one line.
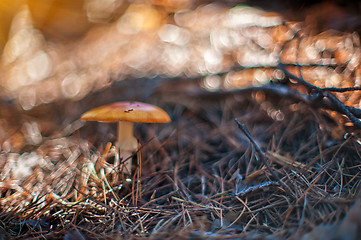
[(200, 177)]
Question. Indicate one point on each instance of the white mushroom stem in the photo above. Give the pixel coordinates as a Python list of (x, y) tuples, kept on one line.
[(126, 143)]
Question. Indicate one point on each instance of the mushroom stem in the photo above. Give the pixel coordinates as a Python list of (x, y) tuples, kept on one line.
[(126, 143), (126, 155)]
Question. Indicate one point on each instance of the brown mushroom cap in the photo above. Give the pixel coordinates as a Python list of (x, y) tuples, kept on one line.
[(127, 111)]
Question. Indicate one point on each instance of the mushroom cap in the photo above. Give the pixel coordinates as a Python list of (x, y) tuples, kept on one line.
[(127, 111)]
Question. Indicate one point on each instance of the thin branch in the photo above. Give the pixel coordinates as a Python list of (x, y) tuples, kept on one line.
[(339, 106), (262, 157)]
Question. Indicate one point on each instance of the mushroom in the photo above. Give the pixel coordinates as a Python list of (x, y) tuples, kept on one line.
[(126, 113)]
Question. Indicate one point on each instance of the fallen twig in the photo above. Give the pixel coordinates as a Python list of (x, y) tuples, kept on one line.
[(263, 159)]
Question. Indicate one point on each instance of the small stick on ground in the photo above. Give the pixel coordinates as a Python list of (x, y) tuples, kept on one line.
[(263, 159)]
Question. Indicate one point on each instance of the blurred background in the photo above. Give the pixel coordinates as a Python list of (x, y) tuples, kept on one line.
[(64, 49)]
